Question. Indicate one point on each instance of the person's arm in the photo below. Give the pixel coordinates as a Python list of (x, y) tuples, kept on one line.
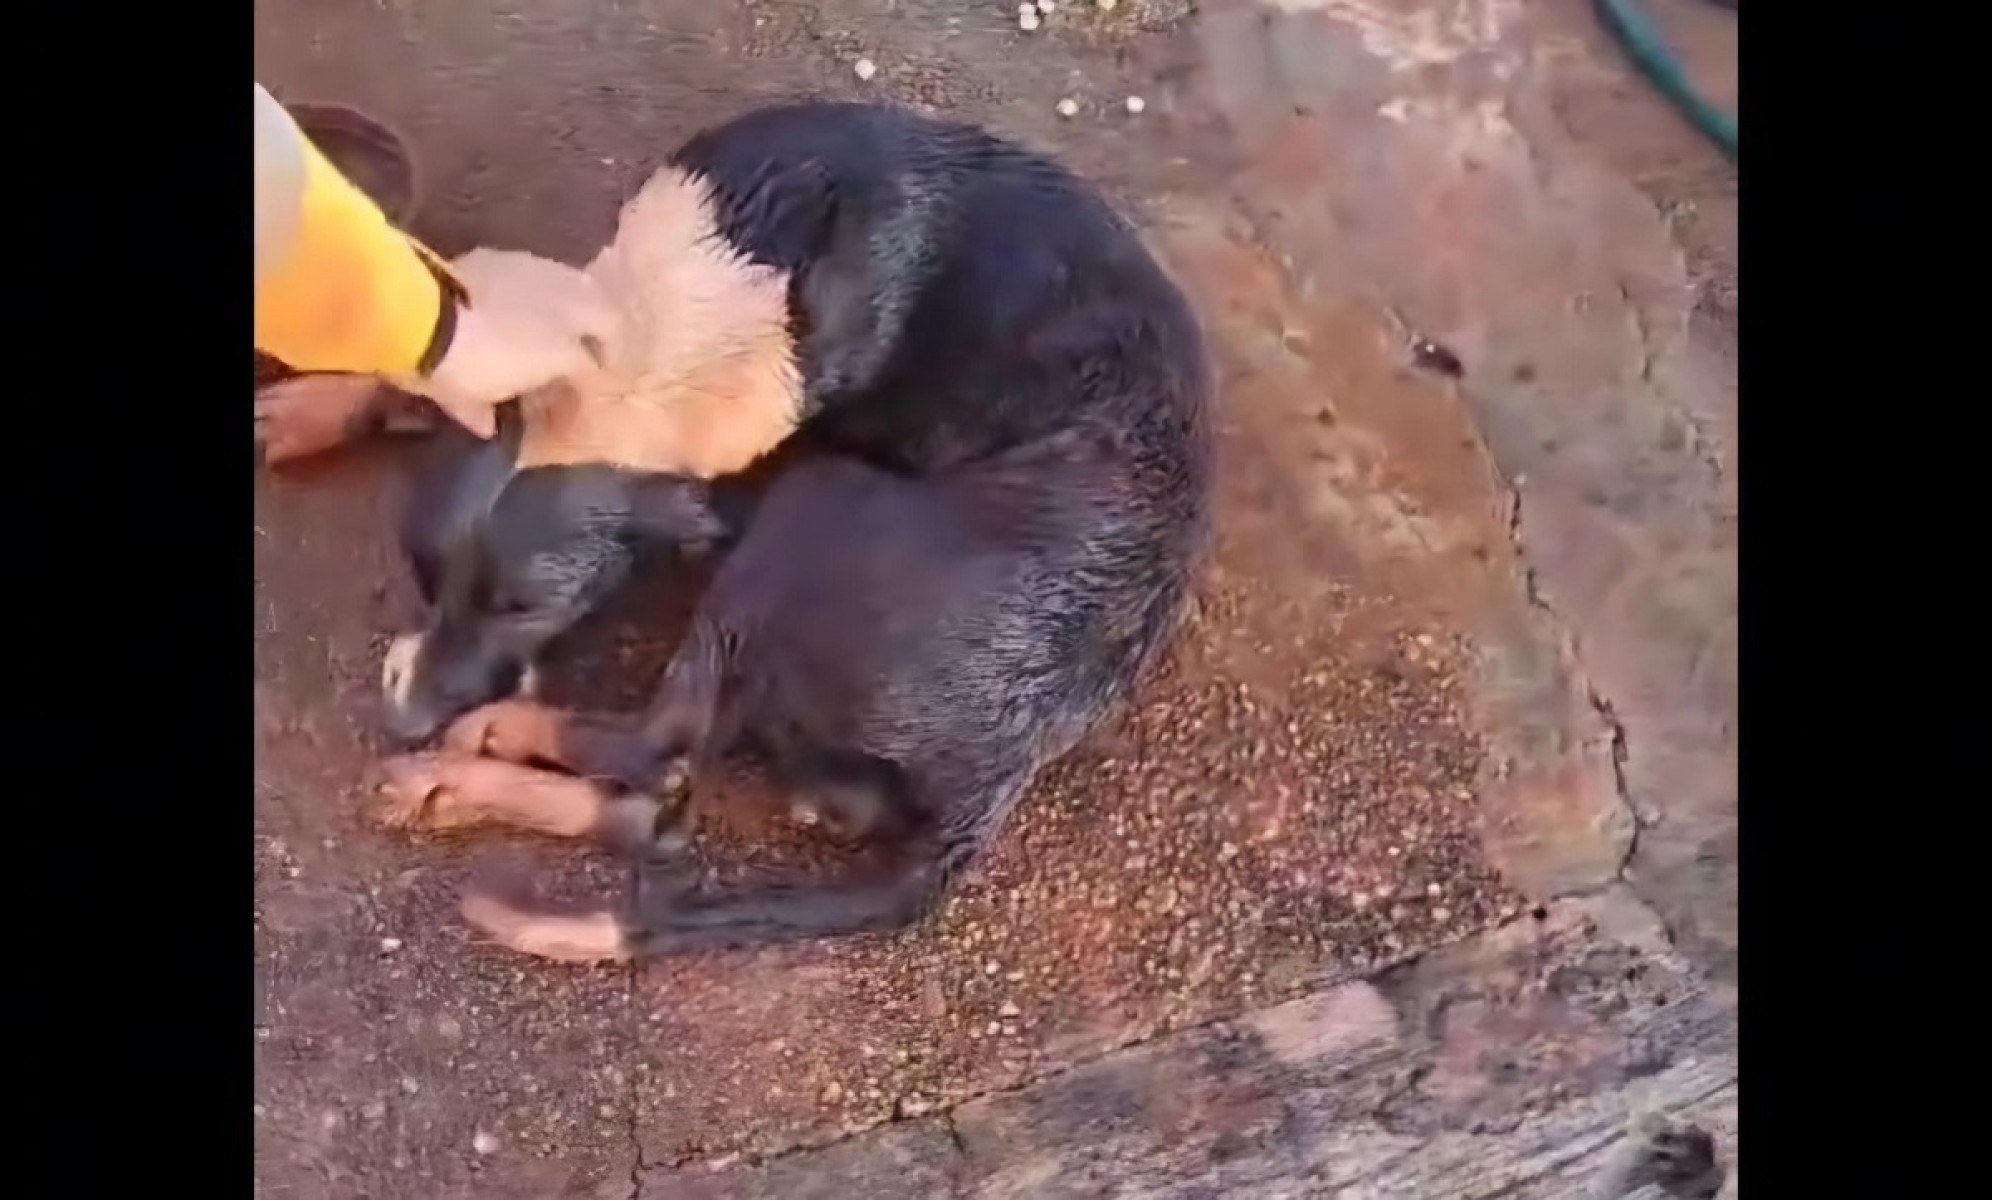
[(337, 287)]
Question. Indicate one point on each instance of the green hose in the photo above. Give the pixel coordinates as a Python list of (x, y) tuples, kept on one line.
[(1642, 42)]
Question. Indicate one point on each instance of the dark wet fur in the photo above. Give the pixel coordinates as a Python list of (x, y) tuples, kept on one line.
[(994, 549)]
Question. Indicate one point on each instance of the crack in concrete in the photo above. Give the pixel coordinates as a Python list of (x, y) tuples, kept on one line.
[(1640, 331), (1703, 447), (956, 1142), (1621, 747), (1602, 705)]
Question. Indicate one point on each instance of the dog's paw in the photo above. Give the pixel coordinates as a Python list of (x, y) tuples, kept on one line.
[(506, 915), (407, 792), (515, 731)]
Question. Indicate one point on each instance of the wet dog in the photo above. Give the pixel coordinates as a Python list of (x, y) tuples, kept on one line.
[(992, 551)]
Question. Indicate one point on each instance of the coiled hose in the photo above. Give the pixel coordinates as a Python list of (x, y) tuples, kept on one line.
[(1635, 32)]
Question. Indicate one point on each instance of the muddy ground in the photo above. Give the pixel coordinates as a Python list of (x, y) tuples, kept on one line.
[(1414, 874)]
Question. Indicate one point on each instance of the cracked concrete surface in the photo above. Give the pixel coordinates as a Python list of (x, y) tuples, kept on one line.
[(1470, 634)]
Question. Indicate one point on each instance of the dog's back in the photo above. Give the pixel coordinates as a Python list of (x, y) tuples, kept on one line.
[(1030, 307)]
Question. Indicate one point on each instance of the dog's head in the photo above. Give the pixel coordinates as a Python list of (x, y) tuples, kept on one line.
[(507, 560)]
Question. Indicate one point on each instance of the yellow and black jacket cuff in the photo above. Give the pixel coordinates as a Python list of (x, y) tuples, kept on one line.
[(337, 287)]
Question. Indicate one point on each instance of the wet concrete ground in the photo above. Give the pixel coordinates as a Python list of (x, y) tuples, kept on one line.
[(1463, 678)]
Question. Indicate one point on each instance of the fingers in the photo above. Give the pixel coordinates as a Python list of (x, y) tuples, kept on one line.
[(311, 414), (438, 792)]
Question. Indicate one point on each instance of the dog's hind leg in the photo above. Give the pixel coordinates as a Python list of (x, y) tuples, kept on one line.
[(666, 920)]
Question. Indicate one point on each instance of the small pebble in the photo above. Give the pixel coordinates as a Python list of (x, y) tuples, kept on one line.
[(1135, 104), (484, 1143), (389, 945), (1028, 20), (1106, 5), (409, 1085), (1068, 107), (1009, 1009), (865, 69)]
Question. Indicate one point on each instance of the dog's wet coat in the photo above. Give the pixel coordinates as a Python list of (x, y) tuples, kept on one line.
[(994, 548)]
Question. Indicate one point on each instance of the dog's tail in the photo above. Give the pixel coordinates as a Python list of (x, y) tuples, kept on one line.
[(666, 920), (671, 921)]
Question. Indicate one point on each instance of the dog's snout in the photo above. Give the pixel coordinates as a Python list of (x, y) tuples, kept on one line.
[(429, 680), (408, 718), (397, 668)]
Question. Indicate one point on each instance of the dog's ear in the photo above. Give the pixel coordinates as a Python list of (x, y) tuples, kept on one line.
[(676, 510)]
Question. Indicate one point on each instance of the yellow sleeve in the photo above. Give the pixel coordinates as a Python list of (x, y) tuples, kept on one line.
[(337, 287)]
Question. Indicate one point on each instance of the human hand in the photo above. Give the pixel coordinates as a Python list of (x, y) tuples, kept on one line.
[(530, 321)]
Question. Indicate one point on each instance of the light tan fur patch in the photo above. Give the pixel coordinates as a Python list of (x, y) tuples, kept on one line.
[(701, 377)]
